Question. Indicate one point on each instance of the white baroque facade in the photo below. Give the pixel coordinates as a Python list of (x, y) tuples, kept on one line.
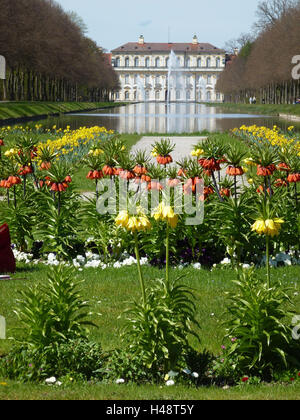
[(146, 71)]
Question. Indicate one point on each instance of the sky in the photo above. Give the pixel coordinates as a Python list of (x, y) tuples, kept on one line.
[(116, 22)]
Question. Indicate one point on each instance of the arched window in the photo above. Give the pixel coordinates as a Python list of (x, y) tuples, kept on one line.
[(126, 95), (126, 79), (157, 80), (147, 95), (209, 79), (188, 95), (208, 96), (147, 62), (117, 62), (199, 62), (188, 62), (157, 95), (177, 94), (199, 94), (127, 62), (208, 62), (218, 62), (167, 62), (157, 62), (136, 62)]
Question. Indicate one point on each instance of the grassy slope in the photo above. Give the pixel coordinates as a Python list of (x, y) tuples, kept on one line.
[(260, 108), (10, 110), (109, 291)]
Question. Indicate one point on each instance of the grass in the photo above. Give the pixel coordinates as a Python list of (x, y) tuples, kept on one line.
[(17, 110), (109, 292), (264, 109)]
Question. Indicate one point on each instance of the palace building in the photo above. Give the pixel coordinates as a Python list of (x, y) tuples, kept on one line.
[(175, 72)]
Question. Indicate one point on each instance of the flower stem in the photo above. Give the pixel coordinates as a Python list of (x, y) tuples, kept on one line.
[(138, 260), (168, 255), (268, 260)]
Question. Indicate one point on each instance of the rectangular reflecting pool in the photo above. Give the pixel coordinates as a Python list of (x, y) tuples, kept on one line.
[(164, 118)]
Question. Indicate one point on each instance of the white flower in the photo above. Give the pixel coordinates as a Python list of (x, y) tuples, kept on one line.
[(195, 375), (117, 265), (120, 381), (187, 371), (226, 261), (170, 383), (247, 266), (51, 381), (197, 266)]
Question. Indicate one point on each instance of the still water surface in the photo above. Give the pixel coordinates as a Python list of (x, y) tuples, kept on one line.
[(164, 118)]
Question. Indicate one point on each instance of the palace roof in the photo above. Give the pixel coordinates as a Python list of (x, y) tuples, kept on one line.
[(152, 47)]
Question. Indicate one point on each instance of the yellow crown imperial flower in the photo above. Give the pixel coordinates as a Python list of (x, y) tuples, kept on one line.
[(269, 227), (166, 214), (133, 223), (197, 152)]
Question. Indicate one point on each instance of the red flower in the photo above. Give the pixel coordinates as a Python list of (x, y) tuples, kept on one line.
[(210, 164), (266, 170), (283, 167), (108, 170), (164, 160), (45, 166), (245, 379), (172, 183), (294, 178), (1, 142), (235, 171), (225, 192)]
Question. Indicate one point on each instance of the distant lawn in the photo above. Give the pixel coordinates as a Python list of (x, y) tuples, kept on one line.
[(264, 109), (109, 292), (11, 110)]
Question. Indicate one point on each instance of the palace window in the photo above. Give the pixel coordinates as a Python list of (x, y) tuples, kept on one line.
[(117, 62), (127, 62), (126, 95), (157, 95), (188, 95), (136, 62), (157, 62), (199, 62), (208, 96), (218, 62), (178, 94), (188, 62), (209, 79), (126, 79), (157, 80), (147, 62), (208, 62), (167, 62)]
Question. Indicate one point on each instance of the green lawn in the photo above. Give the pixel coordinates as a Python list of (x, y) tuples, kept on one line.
[(109, 292), (10, 110), (264, 109)]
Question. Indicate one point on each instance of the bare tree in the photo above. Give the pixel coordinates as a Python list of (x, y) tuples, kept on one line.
[(270, 11)]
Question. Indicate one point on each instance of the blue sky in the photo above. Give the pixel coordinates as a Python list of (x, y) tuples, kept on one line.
[(113, 23)]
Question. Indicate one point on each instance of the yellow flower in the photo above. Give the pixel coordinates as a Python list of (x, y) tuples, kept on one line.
[(122, 218), (249, 162), (273, 226), (166, 214), (133, 223), (197, 152), (269, 227)]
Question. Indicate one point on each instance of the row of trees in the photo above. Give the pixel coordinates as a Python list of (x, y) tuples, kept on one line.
[(264, 67), (49, 57)]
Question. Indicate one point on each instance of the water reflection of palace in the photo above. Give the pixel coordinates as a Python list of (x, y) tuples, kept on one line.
[(178, 72)]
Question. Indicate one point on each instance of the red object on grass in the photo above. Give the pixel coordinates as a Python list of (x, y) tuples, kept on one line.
[(7, 259)]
